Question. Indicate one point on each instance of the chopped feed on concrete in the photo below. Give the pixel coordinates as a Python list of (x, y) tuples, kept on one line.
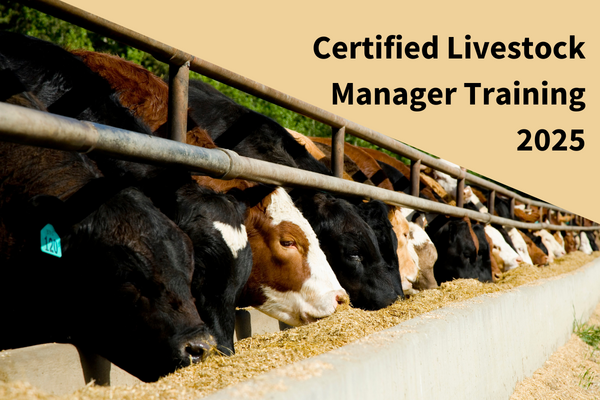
[(572, 372), (262, 353)]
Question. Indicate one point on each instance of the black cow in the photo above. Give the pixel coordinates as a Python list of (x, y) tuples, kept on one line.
[(246, 132), (592, 240), (505, 235), (121, 286), (484, 254), (352, 248), (460, 253), (66, 86), (537, 240), (254, 135)]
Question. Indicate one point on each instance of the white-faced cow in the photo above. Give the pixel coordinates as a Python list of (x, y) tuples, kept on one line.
[(511, 259)]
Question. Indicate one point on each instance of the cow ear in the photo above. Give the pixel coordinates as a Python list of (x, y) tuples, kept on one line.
[(43, 210), (254, 196)]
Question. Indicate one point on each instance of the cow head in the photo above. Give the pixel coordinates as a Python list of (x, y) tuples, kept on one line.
[(222, 254), (570, 243), (460, 252), (555, 250), (426, 256), (291, 279), (123, 282), (538, 257), (585, 245), (520, 245), (352, 248), (407, 257), (510, 258)]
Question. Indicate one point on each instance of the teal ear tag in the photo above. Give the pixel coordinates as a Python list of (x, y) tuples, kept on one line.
[(50, 241)]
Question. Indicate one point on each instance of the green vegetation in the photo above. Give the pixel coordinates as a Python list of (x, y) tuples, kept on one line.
[(589, 334), (15, 17)]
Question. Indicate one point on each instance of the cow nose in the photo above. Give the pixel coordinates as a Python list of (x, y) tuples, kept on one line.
[(341, 297), (197, 350)]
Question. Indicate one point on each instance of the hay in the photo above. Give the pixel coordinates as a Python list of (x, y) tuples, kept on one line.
[(572, 372), (263, 353)]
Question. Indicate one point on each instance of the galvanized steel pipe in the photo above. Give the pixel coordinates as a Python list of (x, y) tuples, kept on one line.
[(179, 78), (415, 177), (337, 151), (172, 55), (32, 127)]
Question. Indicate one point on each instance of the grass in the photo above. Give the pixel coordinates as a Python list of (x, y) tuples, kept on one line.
[(589, 334)]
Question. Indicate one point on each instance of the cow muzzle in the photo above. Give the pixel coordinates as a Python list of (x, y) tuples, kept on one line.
[(196, 350)]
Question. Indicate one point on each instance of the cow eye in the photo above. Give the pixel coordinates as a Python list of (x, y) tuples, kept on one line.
[(287, 243), (355, 257)]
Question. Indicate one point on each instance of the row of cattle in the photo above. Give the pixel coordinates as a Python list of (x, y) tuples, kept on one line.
[(154, 261)]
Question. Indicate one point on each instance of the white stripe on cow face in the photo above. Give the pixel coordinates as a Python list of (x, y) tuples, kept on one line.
[(585, 245), (236, 238), (551, 243), (321, 292), (520, 245), (509, 256)]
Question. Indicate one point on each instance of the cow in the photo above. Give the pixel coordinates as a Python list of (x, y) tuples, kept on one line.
[(554, 248), (570, 244), (401, 182), (367, 164), (538, 256), (585, 245), (520, 245), (592, 240), (511, 259), (370, 276), (66, 86), (372, 170), (318, 154), (460, 252), (426, 256), (291, 279), (407, 256), (251, 134), (246, 132), (118, 282), (496, 261)]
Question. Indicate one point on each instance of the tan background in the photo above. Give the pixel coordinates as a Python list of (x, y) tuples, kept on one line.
[(272, 41)]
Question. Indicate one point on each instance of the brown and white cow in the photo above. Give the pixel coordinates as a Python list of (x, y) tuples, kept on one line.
[(426, 256), (555, 250), (538, 257), (407, 257), (570, 243), (510, 258), (291, 279), (520, 245)]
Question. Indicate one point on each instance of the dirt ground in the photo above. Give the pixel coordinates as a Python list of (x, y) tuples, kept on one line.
[(572, 372)]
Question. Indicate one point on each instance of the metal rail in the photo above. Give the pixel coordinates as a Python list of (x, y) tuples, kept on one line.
[(177, 58), (33, 127)]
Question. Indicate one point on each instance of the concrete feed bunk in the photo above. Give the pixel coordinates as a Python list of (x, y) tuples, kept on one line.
[(478, 348)]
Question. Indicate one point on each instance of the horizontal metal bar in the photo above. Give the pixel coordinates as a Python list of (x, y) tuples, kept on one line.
[(32, 127), (174, 56)]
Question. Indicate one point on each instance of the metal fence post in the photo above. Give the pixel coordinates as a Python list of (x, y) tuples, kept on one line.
[(337, 151), (179, 77)]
